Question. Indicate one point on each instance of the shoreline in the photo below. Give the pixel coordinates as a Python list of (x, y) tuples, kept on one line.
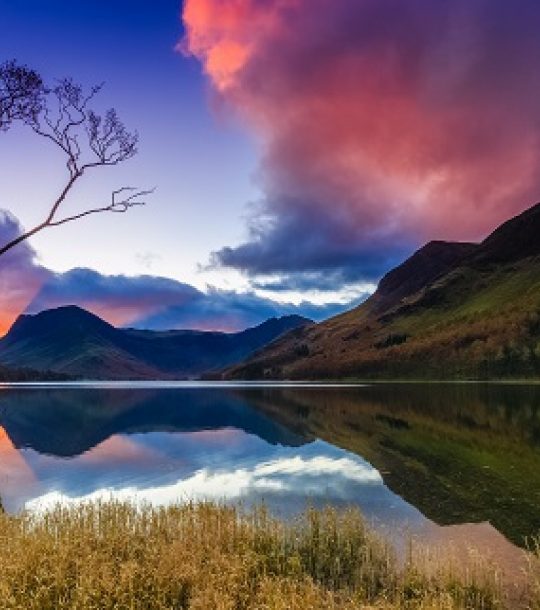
[(115, 553)]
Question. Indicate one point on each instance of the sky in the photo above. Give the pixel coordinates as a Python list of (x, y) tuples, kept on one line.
[(300, 149)]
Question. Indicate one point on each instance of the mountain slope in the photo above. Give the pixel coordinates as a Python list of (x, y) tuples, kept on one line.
[(450, 311), (24, 375), (432, 261), (72, 341)]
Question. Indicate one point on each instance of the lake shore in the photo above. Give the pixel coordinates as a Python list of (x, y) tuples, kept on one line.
[(204, 555)]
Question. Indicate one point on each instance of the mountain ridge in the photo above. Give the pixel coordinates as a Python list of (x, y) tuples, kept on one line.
[(423, 267), (72, 341), (450, 311)]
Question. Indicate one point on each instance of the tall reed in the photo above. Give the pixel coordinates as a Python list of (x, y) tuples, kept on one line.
[(205, 556)]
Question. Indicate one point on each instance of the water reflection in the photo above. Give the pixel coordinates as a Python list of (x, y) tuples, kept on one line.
[(459, 452), (410, 456), (164, 446)]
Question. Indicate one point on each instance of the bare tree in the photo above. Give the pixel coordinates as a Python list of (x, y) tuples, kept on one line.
[(21, 92), (87, 139)]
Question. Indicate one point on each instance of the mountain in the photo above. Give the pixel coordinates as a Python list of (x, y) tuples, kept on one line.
[(426, 265), (451, 311), (72, 341)]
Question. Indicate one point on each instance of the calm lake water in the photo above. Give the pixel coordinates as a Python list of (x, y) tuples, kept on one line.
[(456, 462)]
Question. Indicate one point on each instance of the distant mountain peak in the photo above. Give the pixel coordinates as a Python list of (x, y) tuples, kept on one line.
[(71, 312), (292, 319), (74, 341), (68, 317)]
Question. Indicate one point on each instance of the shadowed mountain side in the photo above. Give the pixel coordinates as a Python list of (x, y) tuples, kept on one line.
[(450, 311), (50, 423), (460, 453), (425, 266), (514, 240), (72, 341)]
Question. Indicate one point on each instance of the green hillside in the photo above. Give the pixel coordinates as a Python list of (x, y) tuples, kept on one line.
[(451, 311)]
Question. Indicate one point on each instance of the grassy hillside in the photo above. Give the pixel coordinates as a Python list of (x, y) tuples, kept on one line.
[(205, 556), (476, 315)]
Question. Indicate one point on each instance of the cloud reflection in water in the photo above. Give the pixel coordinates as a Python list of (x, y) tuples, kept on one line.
[(311, 476)]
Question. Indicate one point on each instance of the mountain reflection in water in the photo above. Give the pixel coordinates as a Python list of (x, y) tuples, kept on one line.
[(412, 457)]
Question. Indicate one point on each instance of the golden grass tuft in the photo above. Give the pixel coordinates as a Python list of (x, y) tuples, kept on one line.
[(204, 556)]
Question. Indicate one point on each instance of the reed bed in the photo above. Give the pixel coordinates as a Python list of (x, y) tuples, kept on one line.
[(207, 556)]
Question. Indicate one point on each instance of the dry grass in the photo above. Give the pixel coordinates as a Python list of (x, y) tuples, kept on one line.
[(204, 556)]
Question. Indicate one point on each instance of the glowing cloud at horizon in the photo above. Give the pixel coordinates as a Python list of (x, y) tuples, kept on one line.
[(21, 277), (143, 301), (382, 123)]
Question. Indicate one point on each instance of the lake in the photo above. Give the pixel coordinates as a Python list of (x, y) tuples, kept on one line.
[(440, 462)]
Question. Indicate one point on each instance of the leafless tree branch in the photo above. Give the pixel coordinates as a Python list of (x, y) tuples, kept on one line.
[(116, 205), (88, 140), (21, 93)]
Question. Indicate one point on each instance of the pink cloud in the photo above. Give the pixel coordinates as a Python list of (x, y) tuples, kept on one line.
[(21, 277), (383, 123)]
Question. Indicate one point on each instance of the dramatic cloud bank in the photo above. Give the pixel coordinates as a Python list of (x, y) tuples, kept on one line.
[(143, 301), (383, 123), (159, 303)]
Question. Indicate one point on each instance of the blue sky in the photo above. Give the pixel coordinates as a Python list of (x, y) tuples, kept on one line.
[(196, 154), (201, 162), (303, 147)]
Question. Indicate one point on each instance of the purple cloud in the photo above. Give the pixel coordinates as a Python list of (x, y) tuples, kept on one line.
[(383, 124), (159, 303)]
